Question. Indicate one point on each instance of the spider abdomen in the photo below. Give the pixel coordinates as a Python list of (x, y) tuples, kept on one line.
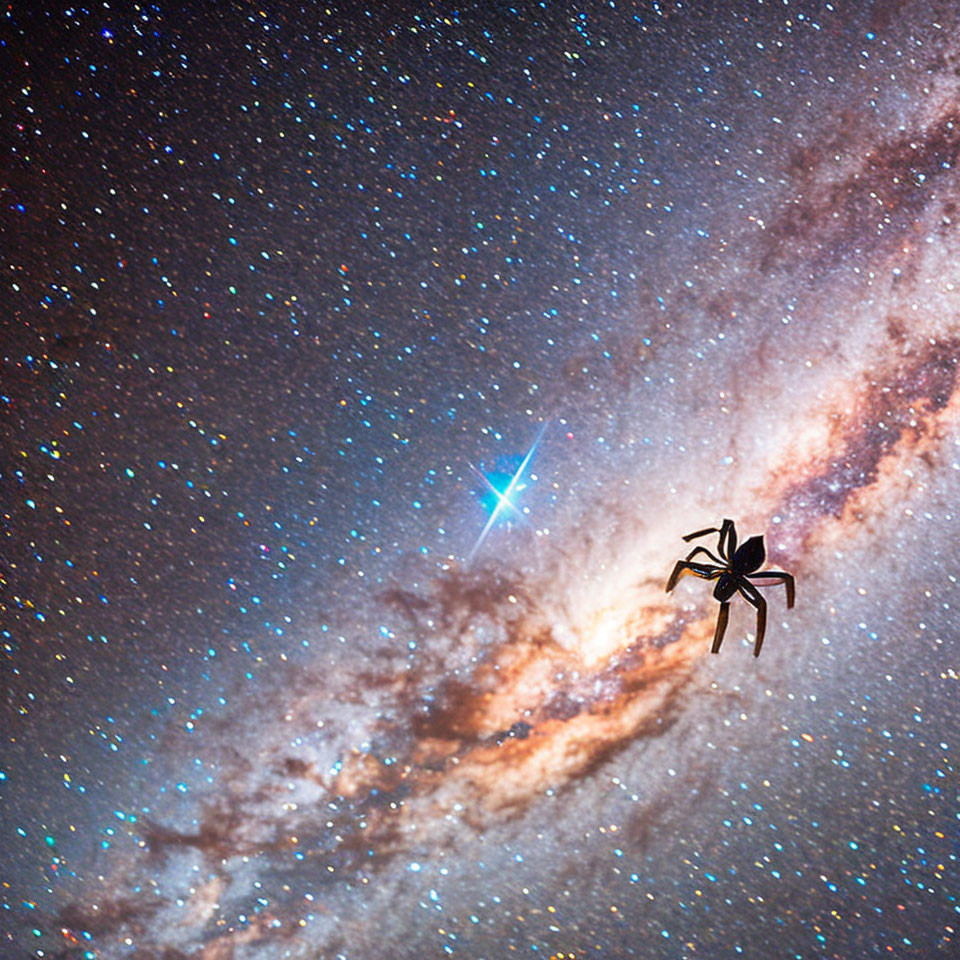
[(749, 556), (726, 587)]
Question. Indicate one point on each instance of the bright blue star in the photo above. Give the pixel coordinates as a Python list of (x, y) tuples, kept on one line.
[(503, 496)]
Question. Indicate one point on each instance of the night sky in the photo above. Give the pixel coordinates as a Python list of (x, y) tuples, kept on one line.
[(363, 368)]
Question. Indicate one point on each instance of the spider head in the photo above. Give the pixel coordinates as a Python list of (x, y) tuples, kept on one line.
[(726, 587)]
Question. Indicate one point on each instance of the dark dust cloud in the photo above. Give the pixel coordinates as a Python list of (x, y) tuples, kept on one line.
[(362, 368)]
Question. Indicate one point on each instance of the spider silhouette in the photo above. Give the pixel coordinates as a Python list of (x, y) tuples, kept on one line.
[(737, 566)]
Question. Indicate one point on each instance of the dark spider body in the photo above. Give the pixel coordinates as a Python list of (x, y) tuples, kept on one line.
[(726, 587), (736, 567)]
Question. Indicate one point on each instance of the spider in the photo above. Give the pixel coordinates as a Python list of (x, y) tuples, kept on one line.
[(734, 574)]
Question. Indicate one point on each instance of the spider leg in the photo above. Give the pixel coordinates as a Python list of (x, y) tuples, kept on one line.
[(703, 570), (728, 540), (697, 550), (701, 533), (721, 626), (780, 577), (752, 595)]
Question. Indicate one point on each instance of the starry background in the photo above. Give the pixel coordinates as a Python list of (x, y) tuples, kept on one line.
[(290, 293)]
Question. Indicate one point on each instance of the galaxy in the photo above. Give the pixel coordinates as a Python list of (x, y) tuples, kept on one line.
[(363, 368)]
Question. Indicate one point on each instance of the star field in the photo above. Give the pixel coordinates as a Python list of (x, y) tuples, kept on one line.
[(362, 368)]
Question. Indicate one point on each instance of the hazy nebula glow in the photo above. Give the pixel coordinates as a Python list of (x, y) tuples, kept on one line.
[(365, 368)]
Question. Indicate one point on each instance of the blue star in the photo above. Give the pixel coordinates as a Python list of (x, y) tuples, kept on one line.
[(503, 497)]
